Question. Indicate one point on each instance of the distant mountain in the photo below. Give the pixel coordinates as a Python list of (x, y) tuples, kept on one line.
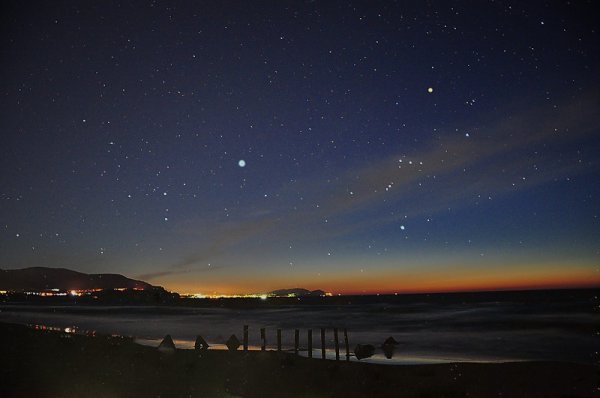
[(297, 291), (43, 278)]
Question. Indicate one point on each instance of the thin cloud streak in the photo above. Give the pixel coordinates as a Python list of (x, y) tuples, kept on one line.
[(160, 274), (452, 172)]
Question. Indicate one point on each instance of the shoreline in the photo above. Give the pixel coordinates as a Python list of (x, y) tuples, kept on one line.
[(379, 358), (400, 356), (425, 334), (57, 364)]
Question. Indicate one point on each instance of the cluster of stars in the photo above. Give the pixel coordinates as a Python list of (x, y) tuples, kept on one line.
[(329, 126)]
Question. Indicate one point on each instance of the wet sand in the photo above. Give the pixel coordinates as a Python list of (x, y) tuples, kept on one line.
[(55, 364)]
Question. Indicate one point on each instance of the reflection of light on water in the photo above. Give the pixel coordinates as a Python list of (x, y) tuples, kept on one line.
[(44, 327), (68, 329), (380, 358)]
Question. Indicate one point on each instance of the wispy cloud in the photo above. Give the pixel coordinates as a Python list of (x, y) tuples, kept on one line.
[(503, 156), (489, 161), (159, 274)]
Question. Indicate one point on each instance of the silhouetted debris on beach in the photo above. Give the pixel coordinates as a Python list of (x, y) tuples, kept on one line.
[(201, 344), (389, 346), (167, 345), (233, 343), (364, 351), (388, 350)]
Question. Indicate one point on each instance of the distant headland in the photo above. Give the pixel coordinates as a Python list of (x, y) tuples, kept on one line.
[(45, 278), (51, 284), (297, 292)]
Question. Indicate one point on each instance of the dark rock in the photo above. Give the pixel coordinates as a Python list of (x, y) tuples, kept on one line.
[(364, 351), (201, 344), (388, 350), (167, 345), (233, 343), (389, 346)]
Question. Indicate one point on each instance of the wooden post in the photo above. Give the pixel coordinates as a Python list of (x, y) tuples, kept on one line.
[(322, 343), (337, 344), (347, 344), (296, 341), (278, 339), (245, 337), (310, 343), (263, 337)]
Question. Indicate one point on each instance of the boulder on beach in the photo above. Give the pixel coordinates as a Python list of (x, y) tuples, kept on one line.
[(388, 350), (364, 351), (389, 346), (201, 344), (167, 345), (233, 343)]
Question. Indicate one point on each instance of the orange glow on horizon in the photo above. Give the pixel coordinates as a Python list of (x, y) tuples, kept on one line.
[(392, 281)]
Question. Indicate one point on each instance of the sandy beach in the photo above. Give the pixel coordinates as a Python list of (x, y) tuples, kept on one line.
[(56, 364)]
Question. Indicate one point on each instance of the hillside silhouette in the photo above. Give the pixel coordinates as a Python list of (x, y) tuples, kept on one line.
[(44, 278)]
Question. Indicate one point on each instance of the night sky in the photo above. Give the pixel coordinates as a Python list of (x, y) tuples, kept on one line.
[(355, 147)]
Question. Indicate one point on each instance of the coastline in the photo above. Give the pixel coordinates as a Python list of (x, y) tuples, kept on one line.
[(484, 327), (56, 364)]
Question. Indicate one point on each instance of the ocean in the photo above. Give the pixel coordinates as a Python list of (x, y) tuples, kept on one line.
[(560, 325)]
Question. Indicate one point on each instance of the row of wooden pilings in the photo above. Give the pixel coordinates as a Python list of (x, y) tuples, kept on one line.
[(336, 340)]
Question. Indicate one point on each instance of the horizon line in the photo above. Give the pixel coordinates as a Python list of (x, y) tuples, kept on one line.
[(503, 290)]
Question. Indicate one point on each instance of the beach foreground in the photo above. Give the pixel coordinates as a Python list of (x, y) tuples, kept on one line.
[(55, 364)]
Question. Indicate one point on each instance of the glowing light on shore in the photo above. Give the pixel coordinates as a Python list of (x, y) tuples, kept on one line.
[(262, 296)]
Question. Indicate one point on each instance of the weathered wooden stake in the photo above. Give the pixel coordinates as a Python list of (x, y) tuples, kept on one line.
[(337, 344), (347, 344), (245, 337), (322, 343), (296, 341), (263, 337), (310, 343), (278, 339)]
